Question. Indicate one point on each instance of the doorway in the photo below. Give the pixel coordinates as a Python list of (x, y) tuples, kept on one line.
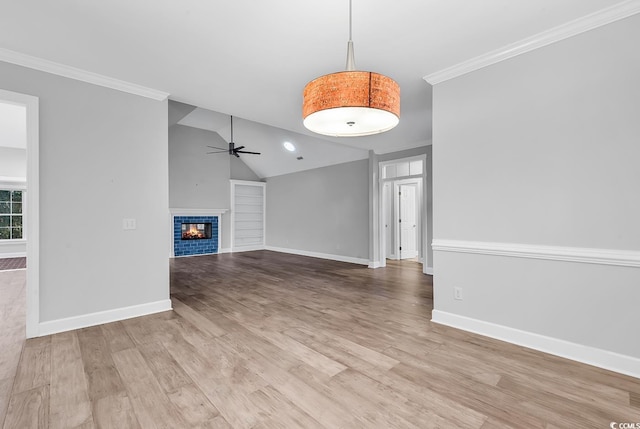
[(402, 219), (402, 209), (30, 205)]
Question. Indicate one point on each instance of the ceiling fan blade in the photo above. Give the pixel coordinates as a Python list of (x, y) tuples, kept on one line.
[(244, 151), (219, 151), (239, 148), (219, 148), (236, 154)]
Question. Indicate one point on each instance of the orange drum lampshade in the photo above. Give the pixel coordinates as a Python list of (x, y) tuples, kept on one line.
[(351, 103)]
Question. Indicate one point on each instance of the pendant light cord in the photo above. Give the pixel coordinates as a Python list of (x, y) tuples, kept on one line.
[(231, 128), (351, 61), (350, 20)]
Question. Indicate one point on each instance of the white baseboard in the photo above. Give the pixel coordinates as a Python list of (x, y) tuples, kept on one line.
[(13, 255), (246, 249), (225, 250), (100, 317), (428, 270), (592, 356), (338, 258), (375, 264)]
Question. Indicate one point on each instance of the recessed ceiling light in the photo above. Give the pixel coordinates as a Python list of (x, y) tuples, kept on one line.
[(289, 146)]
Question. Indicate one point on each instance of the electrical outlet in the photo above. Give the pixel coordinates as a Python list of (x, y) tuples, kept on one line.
[(457, 293)]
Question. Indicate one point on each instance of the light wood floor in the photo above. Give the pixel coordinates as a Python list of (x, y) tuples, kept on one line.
[(12, 331), (267, 340)]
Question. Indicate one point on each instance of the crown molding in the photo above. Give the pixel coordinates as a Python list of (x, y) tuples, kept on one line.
[(572, 28), (47, 66)]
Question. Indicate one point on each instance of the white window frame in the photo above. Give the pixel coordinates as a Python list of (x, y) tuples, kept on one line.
[(20, 186)]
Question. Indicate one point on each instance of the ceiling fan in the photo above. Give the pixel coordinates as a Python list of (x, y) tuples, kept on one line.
[(233, 150)]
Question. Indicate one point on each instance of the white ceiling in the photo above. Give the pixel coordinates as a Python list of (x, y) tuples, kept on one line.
[(274, 159), (13, 126), (252, 58)]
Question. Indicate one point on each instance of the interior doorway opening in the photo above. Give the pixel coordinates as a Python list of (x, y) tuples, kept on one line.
[(26, 211), (403, 211), (402, 219)]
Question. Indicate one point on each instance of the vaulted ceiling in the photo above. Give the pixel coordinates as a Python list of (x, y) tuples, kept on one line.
[(251, 59)]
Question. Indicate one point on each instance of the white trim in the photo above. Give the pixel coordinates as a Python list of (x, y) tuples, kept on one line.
[(197, 212), (428, 271), (338, 258), (47, 66), (32, 205), (13, 255), (590, 355), (100, 317), (246, 249), (9, 243), (375, 264), (622, 258), (572, 28), (13, 182), (225, 250)]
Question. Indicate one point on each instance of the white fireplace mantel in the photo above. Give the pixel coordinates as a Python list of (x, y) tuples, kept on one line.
[(197, 212), (176, 211)]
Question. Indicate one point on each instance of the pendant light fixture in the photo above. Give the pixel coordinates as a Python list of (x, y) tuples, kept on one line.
[(351, 103)]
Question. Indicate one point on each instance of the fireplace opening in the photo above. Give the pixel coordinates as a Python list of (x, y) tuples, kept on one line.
[(196, 231)]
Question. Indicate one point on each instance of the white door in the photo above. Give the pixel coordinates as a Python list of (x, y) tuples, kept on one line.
[(408, 222)]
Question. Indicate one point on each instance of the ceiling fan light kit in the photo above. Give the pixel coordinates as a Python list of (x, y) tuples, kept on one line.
[(351, 103)]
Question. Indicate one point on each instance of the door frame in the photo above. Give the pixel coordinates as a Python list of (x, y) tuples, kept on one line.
[(32, 225), (381, 236)]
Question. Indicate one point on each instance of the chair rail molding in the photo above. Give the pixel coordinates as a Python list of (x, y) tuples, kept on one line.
[(622, 258)]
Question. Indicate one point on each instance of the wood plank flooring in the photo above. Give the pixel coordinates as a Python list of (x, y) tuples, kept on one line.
[(268, 340), (12, 331)]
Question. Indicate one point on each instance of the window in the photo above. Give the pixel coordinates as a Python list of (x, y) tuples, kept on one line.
[(402, 169), (10, 215)]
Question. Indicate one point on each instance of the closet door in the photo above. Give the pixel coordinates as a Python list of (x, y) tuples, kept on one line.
[(247, 215)]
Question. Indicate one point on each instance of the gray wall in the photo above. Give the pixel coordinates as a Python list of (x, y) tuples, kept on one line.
[(198, 180), (103, 157), (324, 210), (240, 171), (13, 162), (543, 149)]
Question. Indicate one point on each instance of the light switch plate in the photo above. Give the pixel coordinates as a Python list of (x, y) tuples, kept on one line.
[(128, 224)]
